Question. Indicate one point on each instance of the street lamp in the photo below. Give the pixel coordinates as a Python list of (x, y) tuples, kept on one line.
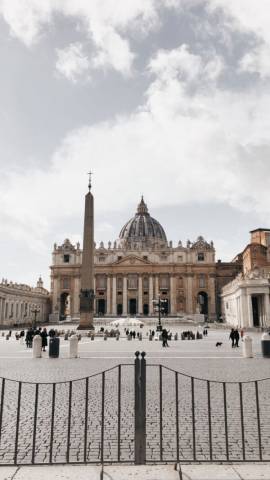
[(160, 308), (35, 311)]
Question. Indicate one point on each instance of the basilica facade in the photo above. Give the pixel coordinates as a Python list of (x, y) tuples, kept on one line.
[(137, 269)]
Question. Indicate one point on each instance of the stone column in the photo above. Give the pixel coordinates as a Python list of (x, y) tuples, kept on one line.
[(108, 309), (250, 322), (87, 295), (114, 295), (267, 309), (172, 295), (189, 293), (151, 295), (156, 287), (212, 302), (125, 295), (140, 296)]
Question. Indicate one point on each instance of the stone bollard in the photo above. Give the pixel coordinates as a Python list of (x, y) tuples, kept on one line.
[(176, 336), (7, 337), (37, 344), (247, 347), (150, 337), (265, 345), (66, 336), (3, 334), (117, 336), (140, 336), (105, 337), (73, 346), (129, 337), (92, 336)]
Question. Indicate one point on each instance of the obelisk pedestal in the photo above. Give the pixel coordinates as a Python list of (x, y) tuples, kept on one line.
[(87, 270)]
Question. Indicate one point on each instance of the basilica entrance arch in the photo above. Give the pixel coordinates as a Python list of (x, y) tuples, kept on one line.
[(202, 301), (64, 305), (132, 306)]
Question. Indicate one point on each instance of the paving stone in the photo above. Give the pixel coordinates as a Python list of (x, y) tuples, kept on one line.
[(59, 472), (140, 473), (7, 473), (209, 472)]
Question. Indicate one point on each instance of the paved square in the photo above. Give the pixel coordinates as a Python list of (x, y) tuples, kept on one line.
[(83, 428)]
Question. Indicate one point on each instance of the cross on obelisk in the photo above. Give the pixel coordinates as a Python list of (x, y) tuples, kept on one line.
[(87, 294)]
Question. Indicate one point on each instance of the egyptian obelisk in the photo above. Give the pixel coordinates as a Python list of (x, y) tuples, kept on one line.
[(87, 270)]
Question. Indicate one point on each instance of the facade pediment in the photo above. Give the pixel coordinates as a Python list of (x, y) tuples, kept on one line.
[(132, 260)]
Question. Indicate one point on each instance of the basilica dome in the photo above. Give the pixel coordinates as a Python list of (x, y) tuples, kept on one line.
[(142, 230)]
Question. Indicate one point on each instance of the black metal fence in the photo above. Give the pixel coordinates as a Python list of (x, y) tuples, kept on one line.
[(135, 413)]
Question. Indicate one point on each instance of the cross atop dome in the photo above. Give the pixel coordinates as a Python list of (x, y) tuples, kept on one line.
[(142, 207)]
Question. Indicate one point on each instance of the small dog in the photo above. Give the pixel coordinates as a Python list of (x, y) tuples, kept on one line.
[(218, 344)]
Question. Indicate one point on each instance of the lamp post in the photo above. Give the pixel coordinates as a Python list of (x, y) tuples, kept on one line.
[(35, 311), (159, 305)]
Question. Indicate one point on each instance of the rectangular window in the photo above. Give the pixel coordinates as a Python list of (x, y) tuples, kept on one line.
[(164, 282), (66, 258), (119, 283), (200, 257), (145, 283), (101, 281), (202, 281), (132, 281), (66, 283), (180, 258), (101, 259)]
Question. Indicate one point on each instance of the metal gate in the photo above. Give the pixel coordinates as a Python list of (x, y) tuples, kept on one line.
[(135, 413)]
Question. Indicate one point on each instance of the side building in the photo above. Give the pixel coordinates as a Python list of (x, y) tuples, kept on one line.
[(18, 302), (246, 300), (138, 268)]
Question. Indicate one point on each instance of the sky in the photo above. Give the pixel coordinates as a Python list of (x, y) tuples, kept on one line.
[(165, 98)]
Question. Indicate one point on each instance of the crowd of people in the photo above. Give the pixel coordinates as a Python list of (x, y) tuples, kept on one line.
[(31, 332)]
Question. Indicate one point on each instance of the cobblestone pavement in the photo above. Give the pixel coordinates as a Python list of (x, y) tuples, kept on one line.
[(199, 358)]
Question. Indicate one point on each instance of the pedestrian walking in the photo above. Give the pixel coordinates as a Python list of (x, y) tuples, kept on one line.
[(231, 337), (44, 339), (236, 337), (164, 336)]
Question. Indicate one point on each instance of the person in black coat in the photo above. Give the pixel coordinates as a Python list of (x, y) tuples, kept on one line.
[(236, 337), (232, 337), (44, 340)]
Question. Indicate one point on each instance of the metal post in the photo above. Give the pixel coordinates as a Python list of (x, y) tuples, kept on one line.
[(140, 409)]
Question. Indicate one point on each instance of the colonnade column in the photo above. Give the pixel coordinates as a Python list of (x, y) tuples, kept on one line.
[(151, 297), (267, 309), (114, 295), (172, 295), (189, 293), (212, 305), (108, 310), (156, 287), (125, 295), (140, 306), (250, 312)]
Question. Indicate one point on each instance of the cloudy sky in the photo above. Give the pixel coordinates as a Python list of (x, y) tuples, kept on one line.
[(166, 98)]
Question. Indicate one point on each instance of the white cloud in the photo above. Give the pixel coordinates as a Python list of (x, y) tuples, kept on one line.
[(248, 16), (257, 61), (180, 146), (107, 24), (72, 63)]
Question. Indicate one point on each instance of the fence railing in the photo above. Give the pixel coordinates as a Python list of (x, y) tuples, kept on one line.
[(134, 413)]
